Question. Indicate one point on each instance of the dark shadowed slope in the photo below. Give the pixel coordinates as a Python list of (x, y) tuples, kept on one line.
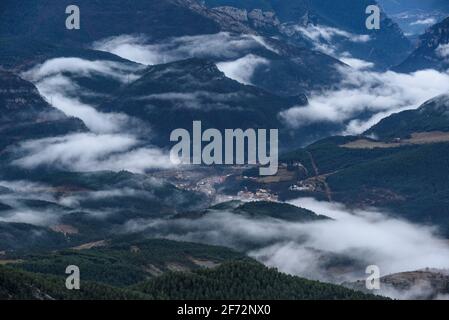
[(159, 269), (45, 20), (174, 95), (386, 47), (432, 51), (24, 114), (431, 116)]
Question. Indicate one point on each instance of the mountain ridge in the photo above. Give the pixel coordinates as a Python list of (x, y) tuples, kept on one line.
[(431, 52)]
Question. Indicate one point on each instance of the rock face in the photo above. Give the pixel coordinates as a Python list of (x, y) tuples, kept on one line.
[(399, 6), (386, 47), (290, 70), (426, 284), (432, 51), (164, 19), (421, 284), (262, 21), (18, 97), (236, 13), (287, 19), (416, 16)]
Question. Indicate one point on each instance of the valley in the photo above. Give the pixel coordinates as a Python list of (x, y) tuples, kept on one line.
[(359, 173)]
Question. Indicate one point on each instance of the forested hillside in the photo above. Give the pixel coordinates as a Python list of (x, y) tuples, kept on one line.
[(157, 269)]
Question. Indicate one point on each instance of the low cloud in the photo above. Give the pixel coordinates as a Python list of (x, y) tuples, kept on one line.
[(219, 46), (45, 205), (242, 69), (114, 142), (394, 245), (203, 100), (29, 216), (91, 152), (377, 93), (319, 33), (362, 92), (21, 191), (357, 64), (424, 22), (324, 38), (443, 51), (82, 67), (52, 80), (76, 199), (362, 237), (233, 50)]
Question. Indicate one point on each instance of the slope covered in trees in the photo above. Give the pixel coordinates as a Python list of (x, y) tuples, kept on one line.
[(243, 281), (20, 285), (233, 280), (408, 180), (159, 269)]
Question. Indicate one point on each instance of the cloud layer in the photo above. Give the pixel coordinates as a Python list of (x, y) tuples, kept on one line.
[(217, 46), (92, 152), (115, 141), (443, 51), (377, 93), (242, 69), (362, 237), (324, 38), (233, 50), (54, 83)]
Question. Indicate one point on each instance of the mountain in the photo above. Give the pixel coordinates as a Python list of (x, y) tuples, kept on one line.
[(415, 16), (431, 116), (279, 67), (173, 95), (158, 19), (130, 268), (283, 211), (268, 63), (24, 114), (398, 6), (403, 178), (22, 52), (19, 285), (305, 21), (229, 281), (432, 51), (288, 70), (260, 210), (129, 260), (64, 72), (45, 20), (244, 281), (397, 166), (83, 207), (21, 236), (425, 284), (79, 106)]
